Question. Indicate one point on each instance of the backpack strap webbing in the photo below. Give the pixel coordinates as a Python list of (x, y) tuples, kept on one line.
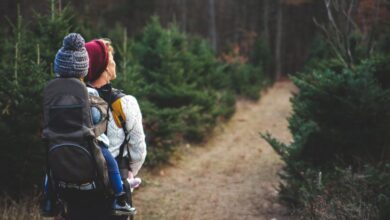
[(113, 98), (120, 120)]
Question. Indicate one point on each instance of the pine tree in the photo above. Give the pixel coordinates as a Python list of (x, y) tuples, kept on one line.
[(23, 77)]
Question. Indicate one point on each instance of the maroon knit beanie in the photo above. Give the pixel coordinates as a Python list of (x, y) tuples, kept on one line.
[(98, 59)]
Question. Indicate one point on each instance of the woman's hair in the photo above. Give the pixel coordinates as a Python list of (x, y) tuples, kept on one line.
[(108, 44)]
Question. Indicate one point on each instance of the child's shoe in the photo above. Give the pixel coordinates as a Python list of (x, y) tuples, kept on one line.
[(121, 207)]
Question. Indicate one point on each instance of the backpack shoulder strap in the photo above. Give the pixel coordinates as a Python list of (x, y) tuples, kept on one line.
[(114, 98), (117, 110), (120, 119)]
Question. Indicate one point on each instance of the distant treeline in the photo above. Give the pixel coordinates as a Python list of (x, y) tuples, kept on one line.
[(286, 25)]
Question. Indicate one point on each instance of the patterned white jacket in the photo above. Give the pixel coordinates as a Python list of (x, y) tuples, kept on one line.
[(116, 135)]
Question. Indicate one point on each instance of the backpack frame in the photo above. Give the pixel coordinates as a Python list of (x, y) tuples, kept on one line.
[(73, 154)]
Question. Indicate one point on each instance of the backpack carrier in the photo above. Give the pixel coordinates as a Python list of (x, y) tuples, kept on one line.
[(74, 159)]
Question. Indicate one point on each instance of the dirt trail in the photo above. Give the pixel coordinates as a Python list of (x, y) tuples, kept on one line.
[(232, 176)]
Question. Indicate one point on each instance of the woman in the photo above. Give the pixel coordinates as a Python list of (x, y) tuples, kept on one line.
[(102, 70), (126, 136)]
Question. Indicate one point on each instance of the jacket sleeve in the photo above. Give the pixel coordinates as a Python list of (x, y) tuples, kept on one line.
[(137, 136)]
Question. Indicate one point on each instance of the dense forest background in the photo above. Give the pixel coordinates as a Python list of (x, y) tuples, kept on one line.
[(287, 26)]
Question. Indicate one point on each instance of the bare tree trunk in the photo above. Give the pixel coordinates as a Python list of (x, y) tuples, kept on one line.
[(184, 15), (236, 25), (265, 31), (278, 43), (212, 27)]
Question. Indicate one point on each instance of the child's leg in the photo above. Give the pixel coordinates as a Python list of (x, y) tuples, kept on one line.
[(46, 184), (120, 205), (113, 171)]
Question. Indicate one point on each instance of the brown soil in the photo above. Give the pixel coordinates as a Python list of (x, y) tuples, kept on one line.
[(232, 176)]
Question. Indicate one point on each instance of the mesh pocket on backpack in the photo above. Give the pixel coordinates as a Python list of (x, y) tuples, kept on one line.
[(66, 119)]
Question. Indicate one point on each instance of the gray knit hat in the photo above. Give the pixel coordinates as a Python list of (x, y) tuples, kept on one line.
[(72, 58)]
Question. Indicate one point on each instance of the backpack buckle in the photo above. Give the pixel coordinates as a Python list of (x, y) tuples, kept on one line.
[(84, 186)]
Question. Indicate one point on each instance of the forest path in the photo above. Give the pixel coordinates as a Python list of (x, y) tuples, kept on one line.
[(232, 176)]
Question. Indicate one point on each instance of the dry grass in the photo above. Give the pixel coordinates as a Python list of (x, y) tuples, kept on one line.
[(26, 208)]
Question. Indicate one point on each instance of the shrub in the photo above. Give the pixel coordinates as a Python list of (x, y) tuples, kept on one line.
[(321, 57), (381, 69), (347, 194), (246, 80), (182, 88), (180, 85), (261, 56), (340, 115), (339, 119)]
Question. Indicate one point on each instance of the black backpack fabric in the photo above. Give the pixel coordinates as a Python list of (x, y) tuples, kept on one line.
[(74, 156)]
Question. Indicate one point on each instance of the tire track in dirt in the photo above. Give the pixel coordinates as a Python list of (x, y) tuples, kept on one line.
[(232, 176)]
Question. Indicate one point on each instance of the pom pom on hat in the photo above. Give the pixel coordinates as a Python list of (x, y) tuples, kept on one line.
[(74, 41), (72, 58)]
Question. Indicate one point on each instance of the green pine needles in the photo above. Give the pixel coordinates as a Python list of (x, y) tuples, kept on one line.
[(341, 137), (23, 74), (181, 85)]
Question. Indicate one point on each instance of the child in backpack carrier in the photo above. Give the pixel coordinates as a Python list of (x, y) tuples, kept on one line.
[(72, 61)]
